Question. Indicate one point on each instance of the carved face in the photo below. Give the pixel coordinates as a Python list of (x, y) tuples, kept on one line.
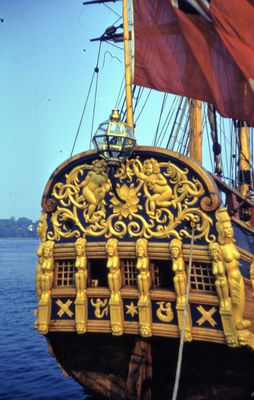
[(140, 251), (228, 230), (215, 254), (47, 252), (79, 250), (175, 251), (148, 168), (110, 250)]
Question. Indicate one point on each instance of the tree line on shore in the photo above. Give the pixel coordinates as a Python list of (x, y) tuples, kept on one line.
[(18, 228)]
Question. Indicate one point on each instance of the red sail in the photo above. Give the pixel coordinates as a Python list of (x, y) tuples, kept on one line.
[(207, 57)]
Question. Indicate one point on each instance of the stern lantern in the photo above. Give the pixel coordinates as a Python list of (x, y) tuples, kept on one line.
[(114, 140)]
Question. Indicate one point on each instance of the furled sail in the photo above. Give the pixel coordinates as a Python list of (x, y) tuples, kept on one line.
[(198, 49)]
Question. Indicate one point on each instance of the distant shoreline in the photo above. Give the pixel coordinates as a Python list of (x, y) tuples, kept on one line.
[(19, 238)]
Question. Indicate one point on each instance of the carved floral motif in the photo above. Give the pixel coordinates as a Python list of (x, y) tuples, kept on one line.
[(159, 198)]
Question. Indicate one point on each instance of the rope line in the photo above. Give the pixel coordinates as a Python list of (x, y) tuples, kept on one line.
[(96, 70), (82, 115), (180, 353)]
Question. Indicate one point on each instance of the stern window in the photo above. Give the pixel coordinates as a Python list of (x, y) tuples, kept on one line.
[(65, 273)]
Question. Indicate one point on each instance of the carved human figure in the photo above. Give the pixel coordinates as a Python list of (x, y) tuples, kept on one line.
[(178, 266), (162, 193), (42, 233), (47, 270), (252, 275), (221, 282), (114, 274), (95, 186), (231, 256), (144, 280), (81, 265)]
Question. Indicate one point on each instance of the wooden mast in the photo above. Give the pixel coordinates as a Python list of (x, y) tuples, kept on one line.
[(127, 64), (195, 146), (244, 159)]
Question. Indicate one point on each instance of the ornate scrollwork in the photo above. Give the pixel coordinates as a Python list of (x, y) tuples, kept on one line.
[(159, 198)]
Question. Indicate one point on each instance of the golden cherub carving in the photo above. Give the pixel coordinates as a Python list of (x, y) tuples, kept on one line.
[(144, 280), (156, 183), (231, 256), (81, 265), (221, 282), (114, 274), (178, 266), (94, 187)]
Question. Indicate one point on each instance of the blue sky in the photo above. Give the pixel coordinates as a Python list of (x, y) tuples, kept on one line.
[(45, 75), (47, 62)]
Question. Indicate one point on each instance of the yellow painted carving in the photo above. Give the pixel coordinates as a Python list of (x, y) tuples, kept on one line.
[(101, 307), (178, 266), (221, 282), (81, 265), (64, 308), (231, 256), (130, 195), (42, 233), (81, 282), (144, 280), (131, 309), (164, 312), (252, 275), (47, 267), (206, 316), (156, 187), (114, 274), (170, 199)]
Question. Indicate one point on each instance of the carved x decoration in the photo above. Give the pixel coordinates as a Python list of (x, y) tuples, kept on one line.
[(206, 316), (64, 308)]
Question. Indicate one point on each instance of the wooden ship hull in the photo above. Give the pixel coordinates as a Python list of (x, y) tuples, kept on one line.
[(121, 278)]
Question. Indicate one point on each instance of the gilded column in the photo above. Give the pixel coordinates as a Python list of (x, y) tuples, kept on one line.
[(180, 283), (144, 283), (81, 282), (114, 283)]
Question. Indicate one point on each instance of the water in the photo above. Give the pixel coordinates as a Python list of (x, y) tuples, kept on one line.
[(27, 371)]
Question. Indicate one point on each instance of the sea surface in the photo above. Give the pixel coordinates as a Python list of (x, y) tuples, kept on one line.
[(27, 371)]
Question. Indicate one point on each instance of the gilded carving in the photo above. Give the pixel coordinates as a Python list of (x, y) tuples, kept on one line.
[(101, 307), (178, 266), (64, 308), (158, 192), (46, 282), (47, 267), (144, 280), (81, 266), (114, 274), (221, 282), (42, 233), (164, 312), (231, 256), (81, 282), (252, 275), (207, 316), (131, 309), (158, 198)]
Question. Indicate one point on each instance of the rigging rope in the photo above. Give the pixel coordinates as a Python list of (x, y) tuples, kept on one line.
[(96, 70), (180, 352), (147, 97), (82, 115)]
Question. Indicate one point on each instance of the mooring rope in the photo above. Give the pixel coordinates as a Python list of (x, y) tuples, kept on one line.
[(180, 352)]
